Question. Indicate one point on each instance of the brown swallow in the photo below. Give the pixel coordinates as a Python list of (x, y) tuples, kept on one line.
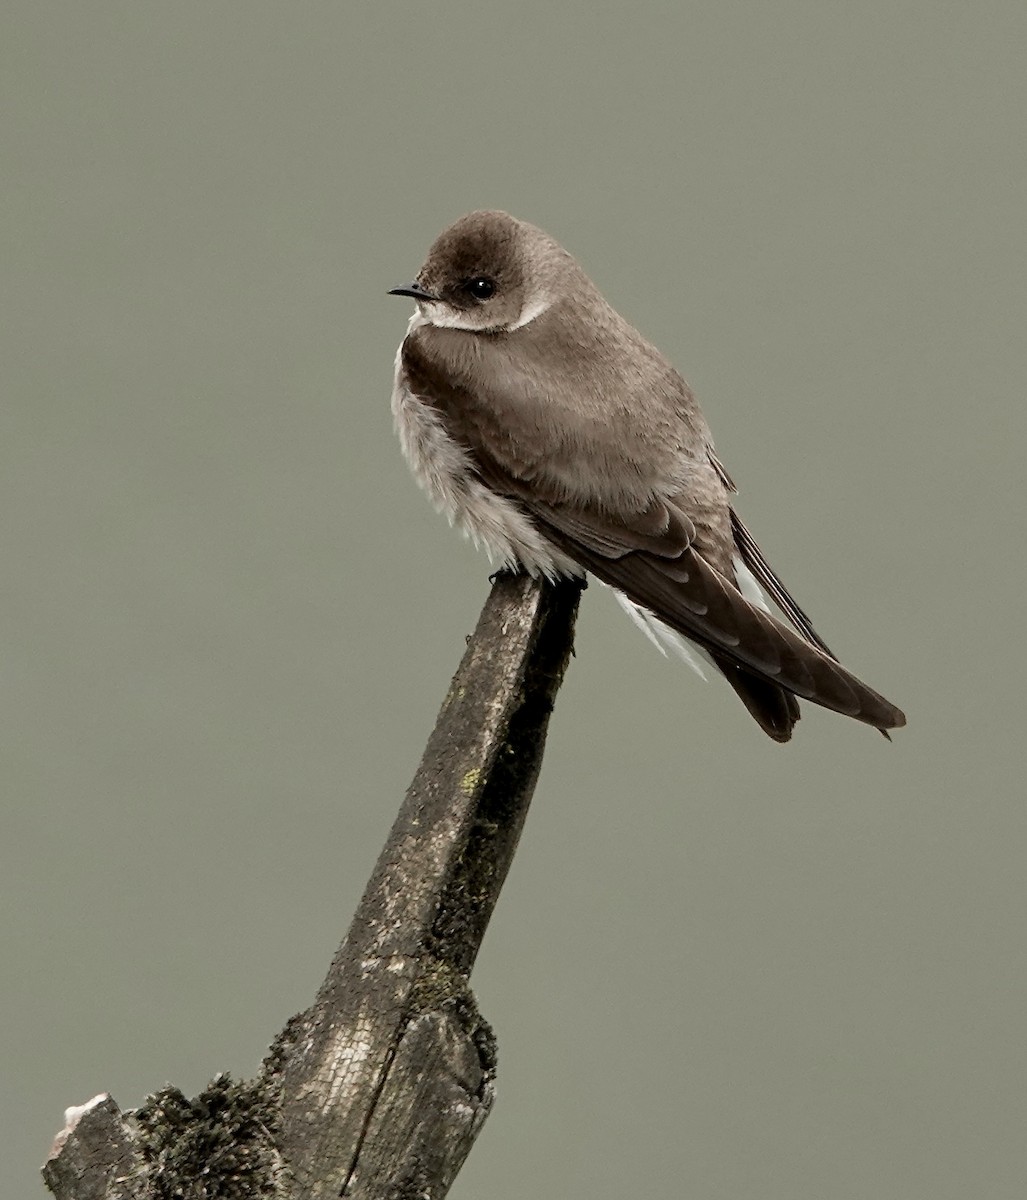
[(549, 430)]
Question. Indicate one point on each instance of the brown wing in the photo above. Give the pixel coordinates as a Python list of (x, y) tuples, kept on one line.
[(690, 596), (649, 555), (764, 574), (672, 580)]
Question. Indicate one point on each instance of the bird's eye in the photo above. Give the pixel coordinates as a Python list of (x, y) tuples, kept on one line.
[(480, 287)]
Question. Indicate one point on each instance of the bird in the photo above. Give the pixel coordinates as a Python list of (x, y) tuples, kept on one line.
[(549, 430)]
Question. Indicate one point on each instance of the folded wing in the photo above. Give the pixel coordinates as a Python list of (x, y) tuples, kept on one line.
[(650, 554)]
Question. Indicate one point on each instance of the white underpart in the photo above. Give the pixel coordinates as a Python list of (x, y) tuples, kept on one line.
[(499, 526), (748, 586), (662, 636), (443, 469), (436, 313)]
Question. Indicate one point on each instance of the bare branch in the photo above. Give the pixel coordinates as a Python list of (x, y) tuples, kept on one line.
[(380, 1088), (396, 995)]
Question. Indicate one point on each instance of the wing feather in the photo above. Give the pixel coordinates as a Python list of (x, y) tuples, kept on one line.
[(767, 578), (647, 547), (698, 602)]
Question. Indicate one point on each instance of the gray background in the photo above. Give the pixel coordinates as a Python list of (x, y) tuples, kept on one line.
[(720, 968)]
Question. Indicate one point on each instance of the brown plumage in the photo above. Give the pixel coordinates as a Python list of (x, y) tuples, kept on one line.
[(548, 428)]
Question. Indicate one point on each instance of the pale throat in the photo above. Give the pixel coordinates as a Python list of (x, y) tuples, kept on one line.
[(443, 317)]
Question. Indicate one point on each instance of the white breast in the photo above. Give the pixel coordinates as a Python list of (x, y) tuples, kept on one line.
[(494, 523)]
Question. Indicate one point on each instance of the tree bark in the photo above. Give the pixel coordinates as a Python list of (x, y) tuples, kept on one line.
[(378, 1089)]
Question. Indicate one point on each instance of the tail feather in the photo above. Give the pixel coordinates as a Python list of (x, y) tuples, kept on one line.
[(774, 710)]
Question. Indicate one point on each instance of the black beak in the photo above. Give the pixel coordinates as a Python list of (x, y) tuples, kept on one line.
[(412, 289)]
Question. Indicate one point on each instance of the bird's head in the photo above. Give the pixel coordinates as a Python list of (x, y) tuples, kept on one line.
[(489, 273)]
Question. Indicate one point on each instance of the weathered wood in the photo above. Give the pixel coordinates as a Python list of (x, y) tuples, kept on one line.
[(94, 1157), (362, 1055), (379, 1089)]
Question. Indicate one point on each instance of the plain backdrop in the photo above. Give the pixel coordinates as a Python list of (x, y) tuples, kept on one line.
[(720, 968)]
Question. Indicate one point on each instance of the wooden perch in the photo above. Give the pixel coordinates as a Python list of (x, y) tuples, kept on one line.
[(378, 1089)]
